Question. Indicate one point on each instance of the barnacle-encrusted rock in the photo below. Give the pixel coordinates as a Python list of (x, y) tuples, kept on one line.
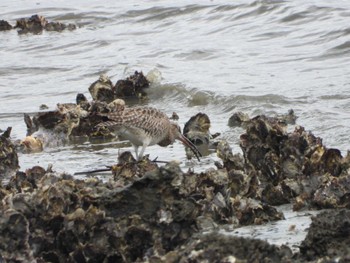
[(14, 233), (82, 101), (238, 119), (67, 122), (72, 120), (8, 155), (196, 129), (144, 210), (132, 87), (36, 24), (290, 166), (216, 247), (61, 121), (241, 119), (102, 89), (333, 192), (58, 26)]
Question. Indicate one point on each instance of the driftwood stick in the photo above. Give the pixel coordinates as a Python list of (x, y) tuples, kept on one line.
[(94, 171), (109, 168)]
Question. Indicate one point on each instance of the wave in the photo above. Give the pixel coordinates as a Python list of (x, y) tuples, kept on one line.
[(178, 94)]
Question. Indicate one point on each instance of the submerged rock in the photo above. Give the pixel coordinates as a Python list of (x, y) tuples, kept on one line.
[(58, 26)]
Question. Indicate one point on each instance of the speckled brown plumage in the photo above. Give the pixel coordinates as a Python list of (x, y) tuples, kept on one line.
[(144, 126)]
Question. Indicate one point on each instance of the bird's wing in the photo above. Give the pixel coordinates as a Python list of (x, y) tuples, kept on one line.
[(111, 119), (146, 118), (150, 120)]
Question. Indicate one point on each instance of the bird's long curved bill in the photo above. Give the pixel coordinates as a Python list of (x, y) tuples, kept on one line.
[(190, 145)]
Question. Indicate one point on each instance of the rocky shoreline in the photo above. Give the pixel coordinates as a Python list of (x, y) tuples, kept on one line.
[(155, 212), (35, 24)]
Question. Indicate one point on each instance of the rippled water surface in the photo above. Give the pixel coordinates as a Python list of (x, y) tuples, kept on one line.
[(217, 57)]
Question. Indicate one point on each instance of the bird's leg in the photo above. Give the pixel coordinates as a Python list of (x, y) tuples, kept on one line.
[(142, 151), (136, 148)]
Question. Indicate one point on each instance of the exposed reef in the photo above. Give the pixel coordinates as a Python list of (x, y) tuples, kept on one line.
[(80, 119), (216, 247), (35, 24), (131, 88), (5, 26), (131, 217), (8, 155), (196, 129), (147, 212), (328, 239), (295, 167)]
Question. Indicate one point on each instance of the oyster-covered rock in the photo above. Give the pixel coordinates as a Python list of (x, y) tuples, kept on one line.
[(8, 155), (58, 26), (241, 119), (196, 129), (69, 120), (132, 87), (36, 24), (328, 237), (102, 89), (14, 233), (216, 247), (238, 119), (144, 210), (290, 166), (61, 121), (4, 25)]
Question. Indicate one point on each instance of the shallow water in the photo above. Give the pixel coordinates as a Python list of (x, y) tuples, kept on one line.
[(289, 232), (259, 57), (214, 57)]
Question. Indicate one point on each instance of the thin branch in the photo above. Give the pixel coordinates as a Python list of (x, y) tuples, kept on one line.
[(94, 171)]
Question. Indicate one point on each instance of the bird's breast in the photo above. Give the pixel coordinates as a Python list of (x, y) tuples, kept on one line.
[(138, 136)]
